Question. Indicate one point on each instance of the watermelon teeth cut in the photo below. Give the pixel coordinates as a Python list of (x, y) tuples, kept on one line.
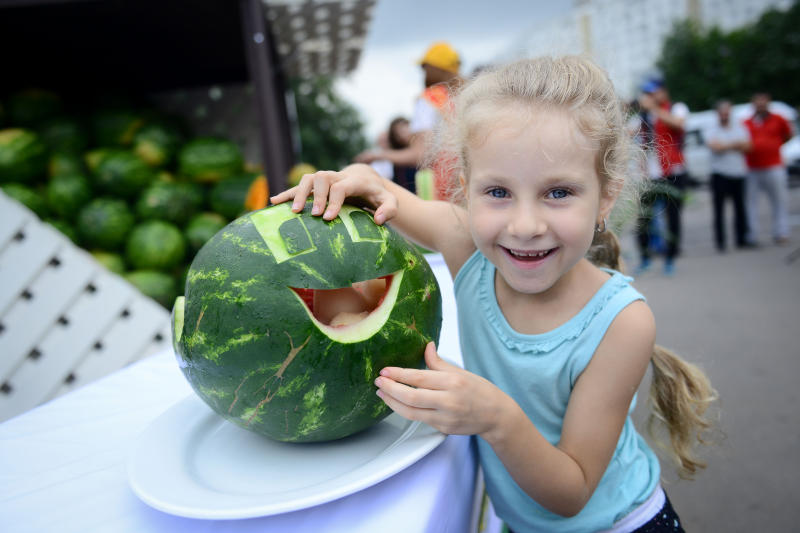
[(352, 314)]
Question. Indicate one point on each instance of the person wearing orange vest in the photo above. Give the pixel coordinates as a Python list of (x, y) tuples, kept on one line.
[(441, 64), (668, 122)]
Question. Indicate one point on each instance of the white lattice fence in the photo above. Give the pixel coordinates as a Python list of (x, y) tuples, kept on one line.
[(64, 319)]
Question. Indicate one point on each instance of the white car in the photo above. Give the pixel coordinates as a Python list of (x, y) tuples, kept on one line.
[(698, 155)]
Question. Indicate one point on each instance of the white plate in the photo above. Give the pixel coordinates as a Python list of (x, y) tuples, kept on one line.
[(191, 462)]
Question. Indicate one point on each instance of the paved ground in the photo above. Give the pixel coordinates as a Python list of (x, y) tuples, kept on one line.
[(738, 316)]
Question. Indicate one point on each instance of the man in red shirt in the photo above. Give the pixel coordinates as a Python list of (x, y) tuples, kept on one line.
[(668, 120), (767, 172)]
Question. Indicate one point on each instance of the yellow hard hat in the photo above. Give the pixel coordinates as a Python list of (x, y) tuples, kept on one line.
[(443, 56)]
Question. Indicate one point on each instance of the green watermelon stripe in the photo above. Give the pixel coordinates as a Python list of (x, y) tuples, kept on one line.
[(218, 275), (314, 274), (213, 354), (314, 408), (250, 246)]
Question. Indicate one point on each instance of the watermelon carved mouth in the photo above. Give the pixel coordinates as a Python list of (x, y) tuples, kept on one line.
[(355, 313)]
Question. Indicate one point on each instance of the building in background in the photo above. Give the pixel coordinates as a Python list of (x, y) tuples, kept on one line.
[(625, 36)]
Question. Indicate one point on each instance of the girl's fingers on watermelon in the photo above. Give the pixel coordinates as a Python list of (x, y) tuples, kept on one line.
[(322, 184), (420, 379), (387, 208), (281, 197), (303, 191), (418, 397), (406, 411)]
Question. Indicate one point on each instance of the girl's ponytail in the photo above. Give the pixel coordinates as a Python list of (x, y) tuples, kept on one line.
[(680, 396), (680, 393)]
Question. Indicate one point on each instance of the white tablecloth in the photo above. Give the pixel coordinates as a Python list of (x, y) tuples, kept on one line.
[(63, 465)]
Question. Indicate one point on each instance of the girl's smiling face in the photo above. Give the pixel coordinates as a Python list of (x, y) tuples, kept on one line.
[(534, 198)]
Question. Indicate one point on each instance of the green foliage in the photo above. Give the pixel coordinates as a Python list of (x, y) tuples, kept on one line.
[(331, 131), (701, 66)]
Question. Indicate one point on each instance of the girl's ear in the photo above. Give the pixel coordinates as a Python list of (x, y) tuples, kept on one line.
[(608, 198), (462, 182)]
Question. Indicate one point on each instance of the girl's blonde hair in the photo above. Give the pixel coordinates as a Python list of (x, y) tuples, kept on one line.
[(680, 392)]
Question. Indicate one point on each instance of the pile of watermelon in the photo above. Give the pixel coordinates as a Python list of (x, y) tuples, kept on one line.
[(127, 183)]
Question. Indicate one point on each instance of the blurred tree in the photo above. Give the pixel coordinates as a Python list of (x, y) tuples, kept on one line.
[(331, 131), (701, 66)]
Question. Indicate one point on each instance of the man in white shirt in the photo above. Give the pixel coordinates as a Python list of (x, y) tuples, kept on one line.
[(728, 141)]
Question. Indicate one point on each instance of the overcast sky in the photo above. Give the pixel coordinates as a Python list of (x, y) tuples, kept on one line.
[(388, 77)]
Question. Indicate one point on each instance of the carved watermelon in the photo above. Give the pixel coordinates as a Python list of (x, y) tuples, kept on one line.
[(287, 320)]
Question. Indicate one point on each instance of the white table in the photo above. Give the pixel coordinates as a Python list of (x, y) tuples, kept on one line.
[(63, 465)]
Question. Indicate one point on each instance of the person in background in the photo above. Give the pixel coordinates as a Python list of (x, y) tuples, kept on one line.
[(766, 170), (441, 65), (555, 340), (399, 137), (668, 122), (728, 141)]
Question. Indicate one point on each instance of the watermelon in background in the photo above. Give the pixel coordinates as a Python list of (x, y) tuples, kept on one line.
[(65, 134), (252, 333), (157, 143), (122, 173), (27, 197), (172, 201), (210, 159), (155, 245), (112, 261), (229, 196), (115, 126), (97, 170), (23, 156), (65, 163), (105, 223), (67, 194), (65, 228), (157, 285), (201, 228)]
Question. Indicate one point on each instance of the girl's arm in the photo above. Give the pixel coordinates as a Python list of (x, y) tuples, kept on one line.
[(439, 226), (561, 478)]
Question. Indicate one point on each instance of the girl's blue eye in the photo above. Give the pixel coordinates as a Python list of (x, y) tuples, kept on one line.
[(497, 193), (559, 194)]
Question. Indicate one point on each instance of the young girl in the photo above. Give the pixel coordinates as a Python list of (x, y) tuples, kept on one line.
[(554, 347)]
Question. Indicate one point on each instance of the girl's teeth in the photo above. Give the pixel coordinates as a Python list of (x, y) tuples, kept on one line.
[(529, 254)]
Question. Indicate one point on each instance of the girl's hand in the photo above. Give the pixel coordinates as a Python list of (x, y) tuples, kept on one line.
[(450, 399), (357, 182)]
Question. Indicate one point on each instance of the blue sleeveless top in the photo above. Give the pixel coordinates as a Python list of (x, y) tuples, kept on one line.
[(539, 372)]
